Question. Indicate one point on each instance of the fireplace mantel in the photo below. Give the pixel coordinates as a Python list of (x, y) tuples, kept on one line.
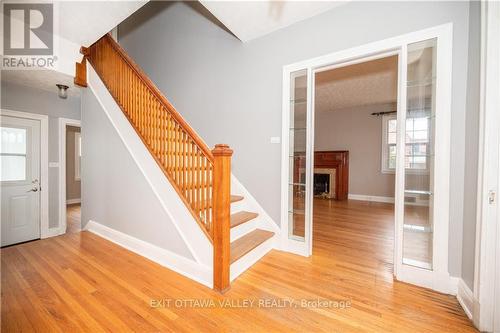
[(338, 160)]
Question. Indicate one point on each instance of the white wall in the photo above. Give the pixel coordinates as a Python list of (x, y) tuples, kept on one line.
[(231, 91), (28, 99), (115, 193)]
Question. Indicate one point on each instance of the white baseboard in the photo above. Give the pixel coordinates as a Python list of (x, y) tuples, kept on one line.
[(52, 232), (73, 201), (465, 297), (173, 261), (373, 198)]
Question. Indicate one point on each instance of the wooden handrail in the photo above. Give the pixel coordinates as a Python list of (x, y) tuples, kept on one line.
[(201, 179)]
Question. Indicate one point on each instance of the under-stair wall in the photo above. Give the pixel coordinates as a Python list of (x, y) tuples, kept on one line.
[(127, 199)]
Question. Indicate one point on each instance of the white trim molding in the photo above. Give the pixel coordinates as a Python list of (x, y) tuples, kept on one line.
[(372, 198), (63, 122), (45, 231), (487, 251), (191, 269), (438, 278), (73, 201), (465, 297)]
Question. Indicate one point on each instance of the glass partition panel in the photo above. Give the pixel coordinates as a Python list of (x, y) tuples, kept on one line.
[(419, 154), (297, 155)]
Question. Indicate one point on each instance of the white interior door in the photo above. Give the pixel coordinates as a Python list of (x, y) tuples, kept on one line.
[(19, 179), (422, 202)]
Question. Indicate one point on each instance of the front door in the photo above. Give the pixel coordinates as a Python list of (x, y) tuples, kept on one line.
[(19, 179)]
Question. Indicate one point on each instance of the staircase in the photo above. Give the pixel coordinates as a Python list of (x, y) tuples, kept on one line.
[(200, 176)]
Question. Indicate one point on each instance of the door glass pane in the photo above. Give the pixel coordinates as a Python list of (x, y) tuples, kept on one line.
[(297, 155), (13, 140), (12, 168), (419, 157), (12, 154)]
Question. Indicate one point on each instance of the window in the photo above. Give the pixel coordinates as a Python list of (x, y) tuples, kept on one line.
[(417, 144), (78, 155), (12, 154)]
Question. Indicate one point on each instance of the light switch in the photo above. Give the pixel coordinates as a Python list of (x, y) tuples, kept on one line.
[(275, 139)]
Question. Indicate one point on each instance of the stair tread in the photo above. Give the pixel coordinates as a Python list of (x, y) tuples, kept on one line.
[(235, 198), (242, 217), (247, 243)]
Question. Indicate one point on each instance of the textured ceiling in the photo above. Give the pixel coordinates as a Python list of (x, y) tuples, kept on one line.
[(368, 83)]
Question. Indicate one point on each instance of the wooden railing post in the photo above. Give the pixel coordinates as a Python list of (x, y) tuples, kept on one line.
[(221, 201), (81, 69)]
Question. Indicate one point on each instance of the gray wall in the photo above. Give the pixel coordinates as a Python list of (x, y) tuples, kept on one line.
[(115, 193), (356, 130), (231, 91), (471, 145), (28, 99), (73, 186)]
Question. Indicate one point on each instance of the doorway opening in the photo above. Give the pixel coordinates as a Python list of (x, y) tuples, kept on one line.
[(355, 109), (70, 155), (414, 130), (73, 178)]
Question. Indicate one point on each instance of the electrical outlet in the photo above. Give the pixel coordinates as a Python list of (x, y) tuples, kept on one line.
[(275, 139)]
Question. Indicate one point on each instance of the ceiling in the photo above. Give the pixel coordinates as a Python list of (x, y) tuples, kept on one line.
[(248, 20), (368, 83), (41, 79), (84, 22), (77, 23)]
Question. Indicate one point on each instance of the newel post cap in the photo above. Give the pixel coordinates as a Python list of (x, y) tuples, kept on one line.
[(222, 149), (84, 50)]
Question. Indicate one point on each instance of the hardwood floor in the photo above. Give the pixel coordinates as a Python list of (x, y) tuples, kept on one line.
[(73, 218), (81, 282)]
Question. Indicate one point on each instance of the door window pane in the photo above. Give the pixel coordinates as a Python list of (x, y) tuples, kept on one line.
[(13, 168), (13, 140), (418, 219), (297, 155), (12, 154)]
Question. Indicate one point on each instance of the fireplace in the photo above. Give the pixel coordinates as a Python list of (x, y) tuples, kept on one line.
[(324, 183)]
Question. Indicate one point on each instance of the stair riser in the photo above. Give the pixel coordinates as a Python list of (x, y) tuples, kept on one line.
[(244, 229), (249, 259), (239, 206)]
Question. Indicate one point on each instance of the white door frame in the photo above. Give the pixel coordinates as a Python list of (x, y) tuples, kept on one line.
[(487, 255), (63, 122), (45, 231), (439, 278)]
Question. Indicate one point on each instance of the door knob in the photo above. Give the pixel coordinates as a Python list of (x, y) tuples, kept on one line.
[(34, 189)]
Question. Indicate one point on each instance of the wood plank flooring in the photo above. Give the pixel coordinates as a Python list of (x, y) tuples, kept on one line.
[(73, 213), (79, 282)]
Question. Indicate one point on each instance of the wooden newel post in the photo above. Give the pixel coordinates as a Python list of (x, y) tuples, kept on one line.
[(221, 201), (81, 68)]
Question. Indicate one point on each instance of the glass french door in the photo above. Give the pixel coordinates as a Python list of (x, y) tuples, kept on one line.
[(418, 154), (299, 152), (421, 207), (422, 152)]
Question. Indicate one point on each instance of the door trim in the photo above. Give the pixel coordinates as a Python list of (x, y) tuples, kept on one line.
[(63, 122), (439, 278), (45, 231), (487, 245)]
